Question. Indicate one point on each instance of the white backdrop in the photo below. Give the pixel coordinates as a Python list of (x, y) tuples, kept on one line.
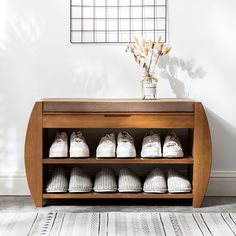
[(37, 60)]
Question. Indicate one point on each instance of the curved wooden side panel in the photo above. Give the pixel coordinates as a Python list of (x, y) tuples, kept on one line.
[(33, 155), (202, 154)]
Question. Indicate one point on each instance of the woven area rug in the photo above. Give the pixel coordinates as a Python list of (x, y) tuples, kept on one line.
[(115, 223)]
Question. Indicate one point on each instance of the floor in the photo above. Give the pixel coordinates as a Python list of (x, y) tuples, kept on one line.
[(210, 204)]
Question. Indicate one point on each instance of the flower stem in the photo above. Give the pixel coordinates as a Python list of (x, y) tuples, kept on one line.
[(156, 62), (150, 62)]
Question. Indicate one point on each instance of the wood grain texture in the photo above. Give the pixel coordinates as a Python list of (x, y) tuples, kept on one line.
[(131, 113), (202, 154), (33, 155), (117, 105), (95, 120), (113, 161), (116, 195)]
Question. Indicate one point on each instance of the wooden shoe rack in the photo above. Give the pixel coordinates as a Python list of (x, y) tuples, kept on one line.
[(49, 115)]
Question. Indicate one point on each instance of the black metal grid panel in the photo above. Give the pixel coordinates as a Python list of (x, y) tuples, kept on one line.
[(117, 21)]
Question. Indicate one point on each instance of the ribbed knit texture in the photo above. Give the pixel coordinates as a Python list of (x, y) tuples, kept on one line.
[(105, 181), (80, 181), (129, 181), (58, 181), (155, 182), (177, 182)]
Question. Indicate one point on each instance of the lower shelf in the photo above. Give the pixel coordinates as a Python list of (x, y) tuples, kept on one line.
[(116, 195)]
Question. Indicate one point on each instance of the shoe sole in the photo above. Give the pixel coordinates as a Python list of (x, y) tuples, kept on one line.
[(180, 191), (129, 191), (61, 154), (78, 154), (110, 154), (105, 191), (172, 154), (155, 191), (56, 191), (148, 154), (80, 191), (126, 154)]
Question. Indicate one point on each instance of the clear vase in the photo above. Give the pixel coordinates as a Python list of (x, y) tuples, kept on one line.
[(149, 88)]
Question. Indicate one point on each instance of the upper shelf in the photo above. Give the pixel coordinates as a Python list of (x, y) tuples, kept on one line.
[(117, 105)]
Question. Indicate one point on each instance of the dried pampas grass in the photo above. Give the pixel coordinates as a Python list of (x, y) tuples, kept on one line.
[(145, 52)]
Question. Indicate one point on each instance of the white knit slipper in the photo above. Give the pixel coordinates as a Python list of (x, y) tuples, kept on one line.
[(155, 182), (58, 183), (177, 183), (105, 181), (129, 181), (80, 182)]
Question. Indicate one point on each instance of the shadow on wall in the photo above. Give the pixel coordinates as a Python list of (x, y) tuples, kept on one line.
[(90, 81), (180, 74), (223, 142), (16, 44)]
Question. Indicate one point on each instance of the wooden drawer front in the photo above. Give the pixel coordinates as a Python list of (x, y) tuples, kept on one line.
[(118, 105), (167, 120)]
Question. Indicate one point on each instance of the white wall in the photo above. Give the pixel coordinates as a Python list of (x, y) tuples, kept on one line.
[(37, 60)]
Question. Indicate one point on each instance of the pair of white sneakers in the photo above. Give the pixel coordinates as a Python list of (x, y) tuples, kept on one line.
[(151, 147), (78, 146), (125, 148)]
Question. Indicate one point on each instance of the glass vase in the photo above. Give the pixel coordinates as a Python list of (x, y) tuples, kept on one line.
[(149, 88)]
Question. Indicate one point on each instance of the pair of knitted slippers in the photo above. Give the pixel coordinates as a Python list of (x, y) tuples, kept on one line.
[(156, 182), (80, 181), (128, 181)]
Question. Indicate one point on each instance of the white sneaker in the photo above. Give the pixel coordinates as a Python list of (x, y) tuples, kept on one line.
[(78, 145), (151, 146), (172, 147), (59, 147), (125, 145), (107, 146)]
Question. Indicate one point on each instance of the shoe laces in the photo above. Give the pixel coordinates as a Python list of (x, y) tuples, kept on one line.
[(60, 137), (78, 137), (126, 137), (152, 137), (107, 138), (174, 140)]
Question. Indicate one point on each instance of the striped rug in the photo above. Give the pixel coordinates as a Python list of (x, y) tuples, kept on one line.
[(116, 223)]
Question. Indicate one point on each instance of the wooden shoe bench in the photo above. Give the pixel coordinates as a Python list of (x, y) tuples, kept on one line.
[(96, 115)]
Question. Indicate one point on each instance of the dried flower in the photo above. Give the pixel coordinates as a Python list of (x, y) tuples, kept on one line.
[(159, 49), (165, 49), (147, 54), (146, 50)]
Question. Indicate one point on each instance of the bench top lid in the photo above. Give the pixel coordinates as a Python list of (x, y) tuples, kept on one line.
[(117, 105)]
